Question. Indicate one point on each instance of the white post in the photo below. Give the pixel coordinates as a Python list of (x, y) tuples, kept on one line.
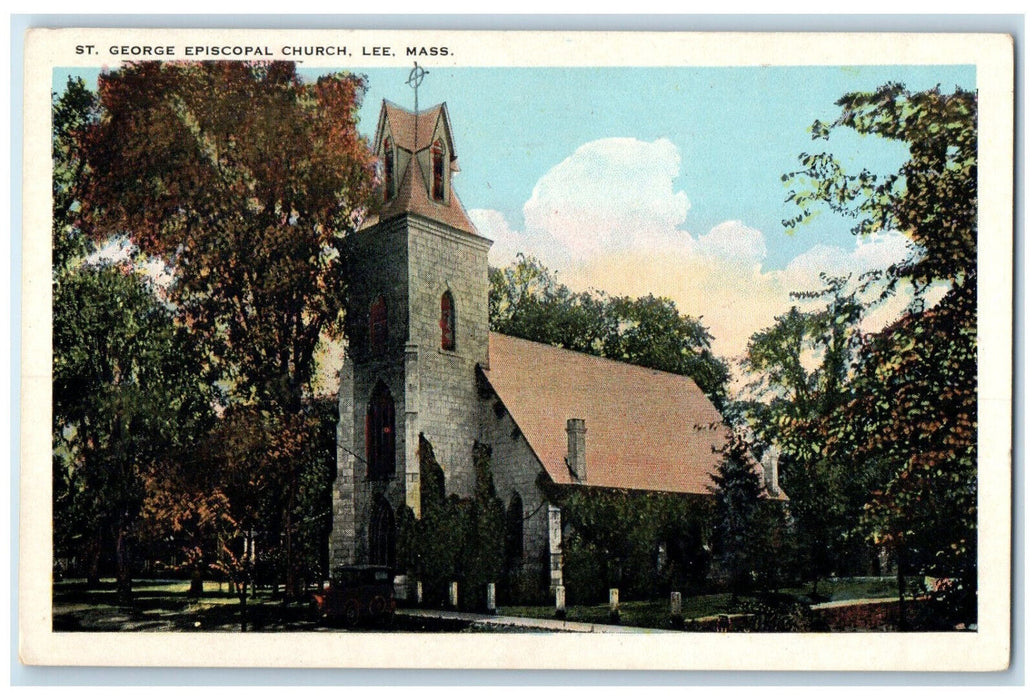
[(676, 603), (420, 593), (613, 601), (454, 594), (490, 597), (560, 611), (554, 532)]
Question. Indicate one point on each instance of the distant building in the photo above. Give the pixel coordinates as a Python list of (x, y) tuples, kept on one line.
[(422, 361)]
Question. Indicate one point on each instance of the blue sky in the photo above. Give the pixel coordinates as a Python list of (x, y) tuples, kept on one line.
[(659, 180), (736, 130), (664, 180)]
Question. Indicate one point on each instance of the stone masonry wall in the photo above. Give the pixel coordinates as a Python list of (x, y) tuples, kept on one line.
[(514, 470), (379, 268), (441, 260)]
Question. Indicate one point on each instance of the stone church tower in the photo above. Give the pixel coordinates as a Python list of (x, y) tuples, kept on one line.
[(418, 328)]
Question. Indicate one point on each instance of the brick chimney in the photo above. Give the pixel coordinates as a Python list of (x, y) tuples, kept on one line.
[(576, 458), (771, 470)]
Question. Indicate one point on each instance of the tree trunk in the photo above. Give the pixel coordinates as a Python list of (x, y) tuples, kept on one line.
[(242, 592), (93, 566), (291, 591), (901, 580), (197, 583), (124, 584)]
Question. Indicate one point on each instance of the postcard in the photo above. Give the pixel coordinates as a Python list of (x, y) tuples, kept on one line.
[(631, 350)]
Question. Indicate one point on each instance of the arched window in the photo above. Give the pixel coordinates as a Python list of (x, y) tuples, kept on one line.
[(378, 325), (389, 169), (381, 434), (438, 170), (447, 322)]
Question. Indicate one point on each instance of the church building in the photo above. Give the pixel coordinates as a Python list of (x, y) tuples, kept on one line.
[(422, 362)]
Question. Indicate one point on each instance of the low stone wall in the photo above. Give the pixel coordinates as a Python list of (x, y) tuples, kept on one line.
[(878, 615), (849, 616)]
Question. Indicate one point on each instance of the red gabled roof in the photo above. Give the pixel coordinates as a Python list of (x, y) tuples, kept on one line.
[(645, 429), (413, 197), (401, 123)]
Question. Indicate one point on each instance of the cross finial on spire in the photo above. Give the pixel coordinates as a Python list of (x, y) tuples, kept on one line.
[(415, 79)]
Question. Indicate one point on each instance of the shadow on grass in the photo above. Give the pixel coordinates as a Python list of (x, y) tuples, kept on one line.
[(166, 607), (79, 607)]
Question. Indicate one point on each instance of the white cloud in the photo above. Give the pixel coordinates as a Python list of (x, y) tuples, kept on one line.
[(610, 195), (609, 217), (734, 242), (507, 243)]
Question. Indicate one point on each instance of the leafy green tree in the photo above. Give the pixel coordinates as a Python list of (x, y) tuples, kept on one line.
[(746, 525), (800, 367), (651, 332), (127, 393), (932, 198), (526, 300), (74, 111), (912, 413)]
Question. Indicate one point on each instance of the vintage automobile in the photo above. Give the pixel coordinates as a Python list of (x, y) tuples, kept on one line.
[(356, 594)]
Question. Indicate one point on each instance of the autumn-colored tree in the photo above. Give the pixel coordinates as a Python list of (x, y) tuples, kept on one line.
[(246, 180), (912, 412), (256, 478)]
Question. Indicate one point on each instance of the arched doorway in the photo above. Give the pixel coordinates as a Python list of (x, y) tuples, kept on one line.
[(382, 534)]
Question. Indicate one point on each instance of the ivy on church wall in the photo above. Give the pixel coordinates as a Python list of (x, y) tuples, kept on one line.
[(643, 543), (456, 539)]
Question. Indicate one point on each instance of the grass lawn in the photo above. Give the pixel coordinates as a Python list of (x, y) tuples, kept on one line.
[(164, 606), (634, 613), (865, 588)]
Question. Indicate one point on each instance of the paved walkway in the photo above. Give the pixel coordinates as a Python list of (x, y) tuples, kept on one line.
[(551, 625), (857, 601), (554, 625)]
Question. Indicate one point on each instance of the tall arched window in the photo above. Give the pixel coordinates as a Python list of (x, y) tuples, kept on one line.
[(378, 325), (389, 169), (381, 433), (447, 322), (438, 170), (514, 535)]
